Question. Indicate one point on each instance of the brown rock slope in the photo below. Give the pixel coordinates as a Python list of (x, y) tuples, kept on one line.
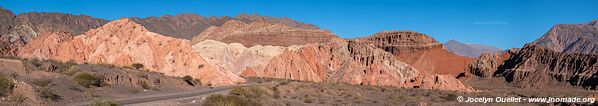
[(420, 51), (186, 26), (487, 63), (536, 66), (571, 38), (122, 43), (350, 62), (17, 30), (262, 33)]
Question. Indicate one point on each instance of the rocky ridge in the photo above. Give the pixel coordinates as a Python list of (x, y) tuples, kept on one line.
[(420, 51), (539, 67), (186, 26), (17, 30), (571, 38), (262, 33), (487, 63), (122, 43)]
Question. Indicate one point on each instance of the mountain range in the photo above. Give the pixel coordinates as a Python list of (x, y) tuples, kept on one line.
[(469, 50), (227, 51)]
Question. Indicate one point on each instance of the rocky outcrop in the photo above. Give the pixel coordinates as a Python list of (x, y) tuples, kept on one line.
[(235, 57), (262, 33), (539, 67), (123, 43), (487, 64), (23, 28), (341, 61), (186, 26), (571, 38), (469, 50), (420, 51), (284, 21)]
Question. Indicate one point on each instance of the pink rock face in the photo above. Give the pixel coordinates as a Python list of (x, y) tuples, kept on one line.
[(351, 62), (123, 43), (262, 33)]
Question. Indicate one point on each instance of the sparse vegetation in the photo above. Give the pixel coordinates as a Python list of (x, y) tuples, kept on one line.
[(228, 100), (42, 82), (88, 80), (137, 65), (251, 92), (6, 85), (189, 80), (145, 85), (142, 75), (46, 92)]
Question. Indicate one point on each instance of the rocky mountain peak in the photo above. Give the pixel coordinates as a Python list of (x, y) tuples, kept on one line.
[(571, 38), (594, 23)]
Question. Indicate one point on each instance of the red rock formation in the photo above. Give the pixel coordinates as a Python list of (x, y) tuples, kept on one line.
[(571, 38), (122, 43), (536, 66), (420, 51), (351, 62), (263, 33)]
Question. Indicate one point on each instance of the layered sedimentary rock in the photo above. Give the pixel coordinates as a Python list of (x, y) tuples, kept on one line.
[(262, 33), (235, 57), (469, 50), (341, 61), (536, 66), (186, 26), (123, 43), (571, 38), (18, 30), (420, 51)]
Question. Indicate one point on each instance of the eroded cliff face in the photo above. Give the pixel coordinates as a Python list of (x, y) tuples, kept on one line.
[(235, 57), (539, 67), (353, 62), (18, 30), (487, 63), (420, 51), (571, 38), (122, 43), (262, 33)]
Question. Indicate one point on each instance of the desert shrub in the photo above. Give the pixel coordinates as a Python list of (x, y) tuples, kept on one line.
[(142, 75), (46, 92), (42, 82), (251, 92), (97, 102), (6, 85), (145, 85), (88, 80), (133, 90), (231, 100), (137, 65), (189, 80)]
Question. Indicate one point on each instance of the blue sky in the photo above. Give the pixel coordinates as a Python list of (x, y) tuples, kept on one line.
[(502, 23)]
